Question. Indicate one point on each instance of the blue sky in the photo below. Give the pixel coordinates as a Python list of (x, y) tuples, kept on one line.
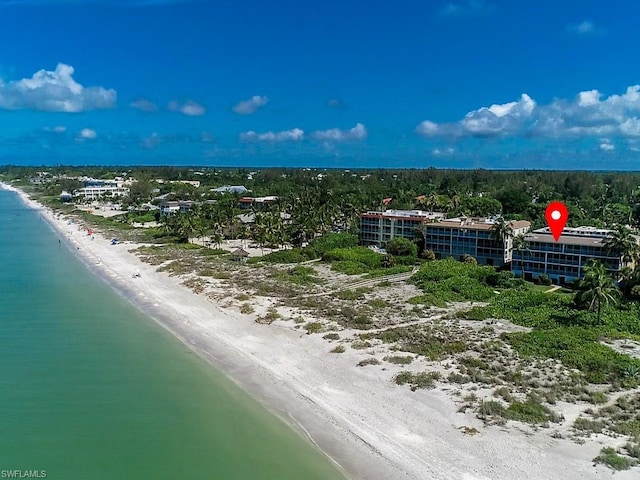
[(462, 83)]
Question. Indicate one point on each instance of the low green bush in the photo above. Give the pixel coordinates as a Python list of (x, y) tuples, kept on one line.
[(609, 457), (529, 412), (294, 255), (418, 380), (399, 359)]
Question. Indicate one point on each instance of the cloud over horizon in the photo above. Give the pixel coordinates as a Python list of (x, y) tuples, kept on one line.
[(588, 114), (87, 134), (247, 107), (295, 134), (359, 132), (144, 105), (54, 91), (190, 108), (466, 9)]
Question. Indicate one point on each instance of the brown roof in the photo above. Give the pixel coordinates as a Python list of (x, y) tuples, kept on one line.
[(240, 253), (478, 225), (566, 239)]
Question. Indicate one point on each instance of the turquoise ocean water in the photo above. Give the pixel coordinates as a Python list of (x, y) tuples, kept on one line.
[(90, 388)]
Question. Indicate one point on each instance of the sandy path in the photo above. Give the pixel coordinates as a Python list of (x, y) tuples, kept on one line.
[(371, 427)]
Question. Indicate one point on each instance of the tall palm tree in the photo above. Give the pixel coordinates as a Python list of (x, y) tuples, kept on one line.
[(501, 230), (520, 244), (623, 242), (598, 287)]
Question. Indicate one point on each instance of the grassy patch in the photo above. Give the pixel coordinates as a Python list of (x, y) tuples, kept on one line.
[(399, 359), (368, 361), (528, 412), (609, 457), (313, 327), (331, 336), (418, 380), (576, 347)]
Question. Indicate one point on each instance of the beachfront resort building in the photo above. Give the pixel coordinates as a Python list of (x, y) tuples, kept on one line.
[(377, 228), (474, 236), (241, 189), (562, 261), (256, 202), (94, 189), (171, 207)]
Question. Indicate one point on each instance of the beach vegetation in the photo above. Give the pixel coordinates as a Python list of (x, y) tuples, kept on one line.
[(368, 361), (609, 457), (313, 327), (417, 380), (399, 359), (246, 309), (339, 349)]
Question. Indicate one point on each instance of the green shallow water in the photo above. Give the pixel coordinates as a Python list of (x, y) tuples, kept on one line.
[(90, 388)]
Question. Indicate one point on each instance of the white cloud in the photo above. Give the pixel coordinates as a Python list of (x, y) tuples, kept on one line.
[(294, 134), (54, 91), (152, 141), (359, 132), (585, 28), (589, 113), (427, 128), (57, 129), (447, 151), (144, 105), (247, 107), (607, 146), (190, 108), (87, 134), (465, 9)]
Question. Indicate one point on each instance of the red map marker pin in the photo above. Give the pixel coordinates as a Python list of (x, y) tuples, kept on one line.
[(557, 215)]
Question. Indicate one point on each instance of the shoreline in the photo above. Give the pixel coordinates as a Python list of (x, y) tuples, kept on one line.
[(369, 428)]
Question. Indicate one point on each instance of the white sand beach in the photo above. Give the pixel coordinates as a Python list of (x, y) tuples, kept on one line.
[(371, 427)]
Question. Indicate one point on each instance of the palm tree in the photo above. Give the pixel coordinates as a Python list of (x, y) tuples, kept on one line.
[(623, 242), (501, 231), (519, 244), (598, 287)]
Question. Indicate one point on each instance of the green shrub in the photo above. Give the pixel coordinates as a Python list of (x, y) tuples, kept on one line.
[(466, 258), (313, 327), (368, 361), (339, 349), (491, 408), (368, 258), (399, 359), (576, 347), (246, 309), (447, 280), (609, 457), (428, 255), (331, 336), (528, 412), (544, 279), (598, 398), (331, 241), (417, 380), (587, 425), (401, 247), (294, 255)]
